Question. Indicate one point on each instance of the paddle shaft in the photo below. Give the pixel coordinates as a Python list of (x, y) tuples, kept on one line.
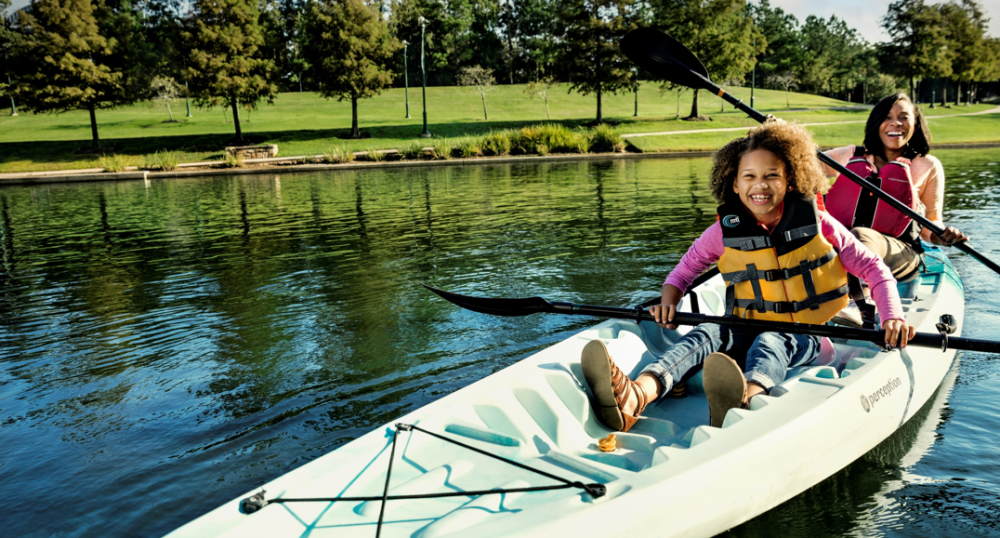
[(687, 318), (864, 183)]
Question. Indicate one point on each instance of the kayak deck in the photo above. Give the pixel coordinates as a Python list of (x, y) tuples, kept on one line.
[(538, 413)]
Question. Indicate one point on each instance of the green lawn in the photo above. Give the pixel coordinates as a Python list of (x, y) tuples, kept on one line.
[(306, 124)]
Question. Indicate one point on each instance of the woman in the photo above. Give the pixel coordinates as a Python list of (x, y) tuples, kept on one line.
[(896, 151)]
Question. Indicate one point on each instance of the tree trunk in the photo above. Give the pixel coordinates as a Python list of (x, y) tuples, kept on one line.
[(600, 118), (236, 118), (355, 132), (483, 95), (547, 115), (93, 128), (787, 104), (912, 87), (694, 105), (944, 94), (170, 112)]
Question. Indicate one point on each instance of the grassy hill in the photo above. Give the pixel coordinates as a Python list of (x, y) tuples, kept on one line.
[(306, 124)]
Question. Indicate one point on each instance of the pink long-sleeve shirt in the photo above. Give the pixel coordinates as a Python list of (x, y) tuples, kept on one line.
[(857, 259)]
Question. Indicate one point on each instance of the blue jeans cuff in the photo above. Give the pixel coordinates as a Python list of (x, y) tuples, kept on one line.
[(761, 379), (662, 375)]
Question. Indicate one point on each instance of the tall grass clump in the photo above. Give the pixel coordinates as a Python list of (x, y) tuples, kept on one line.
[(232, 161), (470, 147), (604, 139), (162, 160), (374, 155), (549, 138), (115, 162), (338, 155), (441, 150), (498, 142), (414, 150)]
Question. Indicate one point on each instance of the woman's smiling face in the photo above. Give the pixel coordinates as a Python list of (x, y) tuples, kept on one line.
[(897, 128), (762, 184)]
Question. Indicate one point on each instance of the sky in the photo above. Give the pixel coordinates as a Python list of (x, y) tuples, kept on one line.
[(862, 15)]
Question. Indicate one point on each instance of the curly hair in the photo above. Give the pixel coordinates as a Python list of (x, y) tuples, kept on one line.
[(791, 143)]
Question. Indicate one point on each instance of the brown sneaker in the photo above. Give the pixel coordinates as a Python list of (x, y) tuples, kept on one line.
[(610, 386), (725, 386)]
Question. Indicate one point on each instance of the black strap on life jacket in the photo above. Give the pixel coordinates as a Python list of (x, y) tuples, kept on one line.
[(773, 275), (782, 307), (798, 225), (863, 303)]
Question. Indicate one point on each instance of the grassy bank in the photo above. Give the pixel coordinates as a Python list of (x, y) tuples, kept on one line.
[(306, 124)]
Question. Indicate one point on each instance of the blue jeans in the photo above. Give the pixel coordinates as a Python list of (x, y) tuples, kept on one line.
[(768, 355)]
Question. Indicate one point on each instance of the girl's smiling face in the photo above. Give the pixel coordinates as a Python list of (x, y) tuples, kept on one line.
[(762, 185), (897, 129)]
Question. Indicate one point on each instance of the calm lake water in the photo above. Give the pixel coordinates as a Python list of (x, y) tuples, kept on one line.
[(168, 346)]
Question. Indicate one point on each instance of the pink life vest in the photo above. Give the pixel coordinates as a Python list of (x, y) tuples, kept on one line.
[(854, 207)]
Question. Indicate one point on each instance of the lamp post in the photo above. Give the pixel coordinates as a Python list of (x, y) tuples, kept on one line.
[(406, 81), (13, 109), (635, 72), (423, 73)]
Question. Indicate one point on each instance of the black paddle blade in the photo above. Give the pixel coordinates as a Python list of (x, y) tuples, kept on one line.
[(664, 57), (496, 306)]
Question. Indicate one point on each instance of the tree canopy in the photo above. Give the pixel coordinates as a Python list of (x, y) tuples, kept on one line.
[(225, 66), (350, 49), (78, 55)]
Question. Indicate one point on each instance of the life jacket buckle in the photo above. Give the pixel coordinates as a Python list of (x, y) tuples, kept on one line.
[(783, 307)]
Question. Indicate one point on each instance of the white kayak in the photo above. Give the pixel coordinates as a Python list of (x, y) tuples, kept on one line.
[(672, 473)]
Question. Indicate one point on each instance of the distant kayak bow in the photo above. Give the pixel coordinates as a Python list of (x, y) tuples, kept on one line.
[(513, 307)]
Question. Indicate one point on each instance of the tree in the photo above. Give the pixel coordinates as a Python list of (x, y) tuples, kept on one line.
[(719, 32), (590, 32), (676, 88), (224, 64), (832, 56), (965, 26), (166, 89), (482, 79), (77, 55), (783, 54), (541, 89), (918, 45), (349, 47), (458, 33), (786, 81)]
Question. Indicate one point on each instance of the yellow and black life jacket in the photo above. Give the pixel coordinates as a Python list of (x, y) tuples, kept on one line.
[(791, 274)]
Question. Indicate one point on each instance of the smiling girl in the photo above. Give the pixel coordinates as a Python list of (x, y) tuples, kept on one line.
[(896, 155), (782, 260)]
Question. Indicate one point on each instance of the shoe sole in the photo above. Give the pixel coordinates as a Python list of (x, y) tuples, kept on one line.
[(724, 384), (596, 363)]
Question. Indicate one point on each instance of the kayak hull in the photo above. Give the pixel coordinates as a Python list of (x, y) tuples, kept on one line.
[(672, 471)]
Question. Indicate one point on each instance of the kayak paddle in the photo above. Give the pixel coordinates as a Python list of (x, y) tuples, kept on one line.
[(525, 306), (667, 58)]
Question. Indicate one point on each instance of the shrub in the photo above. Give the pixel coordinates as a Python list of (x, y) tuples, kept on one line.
[(338, 155), (497, 142), (441, 150), (114, 162), (232, 161), (166, 160), (605, 139), (470, 147)]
